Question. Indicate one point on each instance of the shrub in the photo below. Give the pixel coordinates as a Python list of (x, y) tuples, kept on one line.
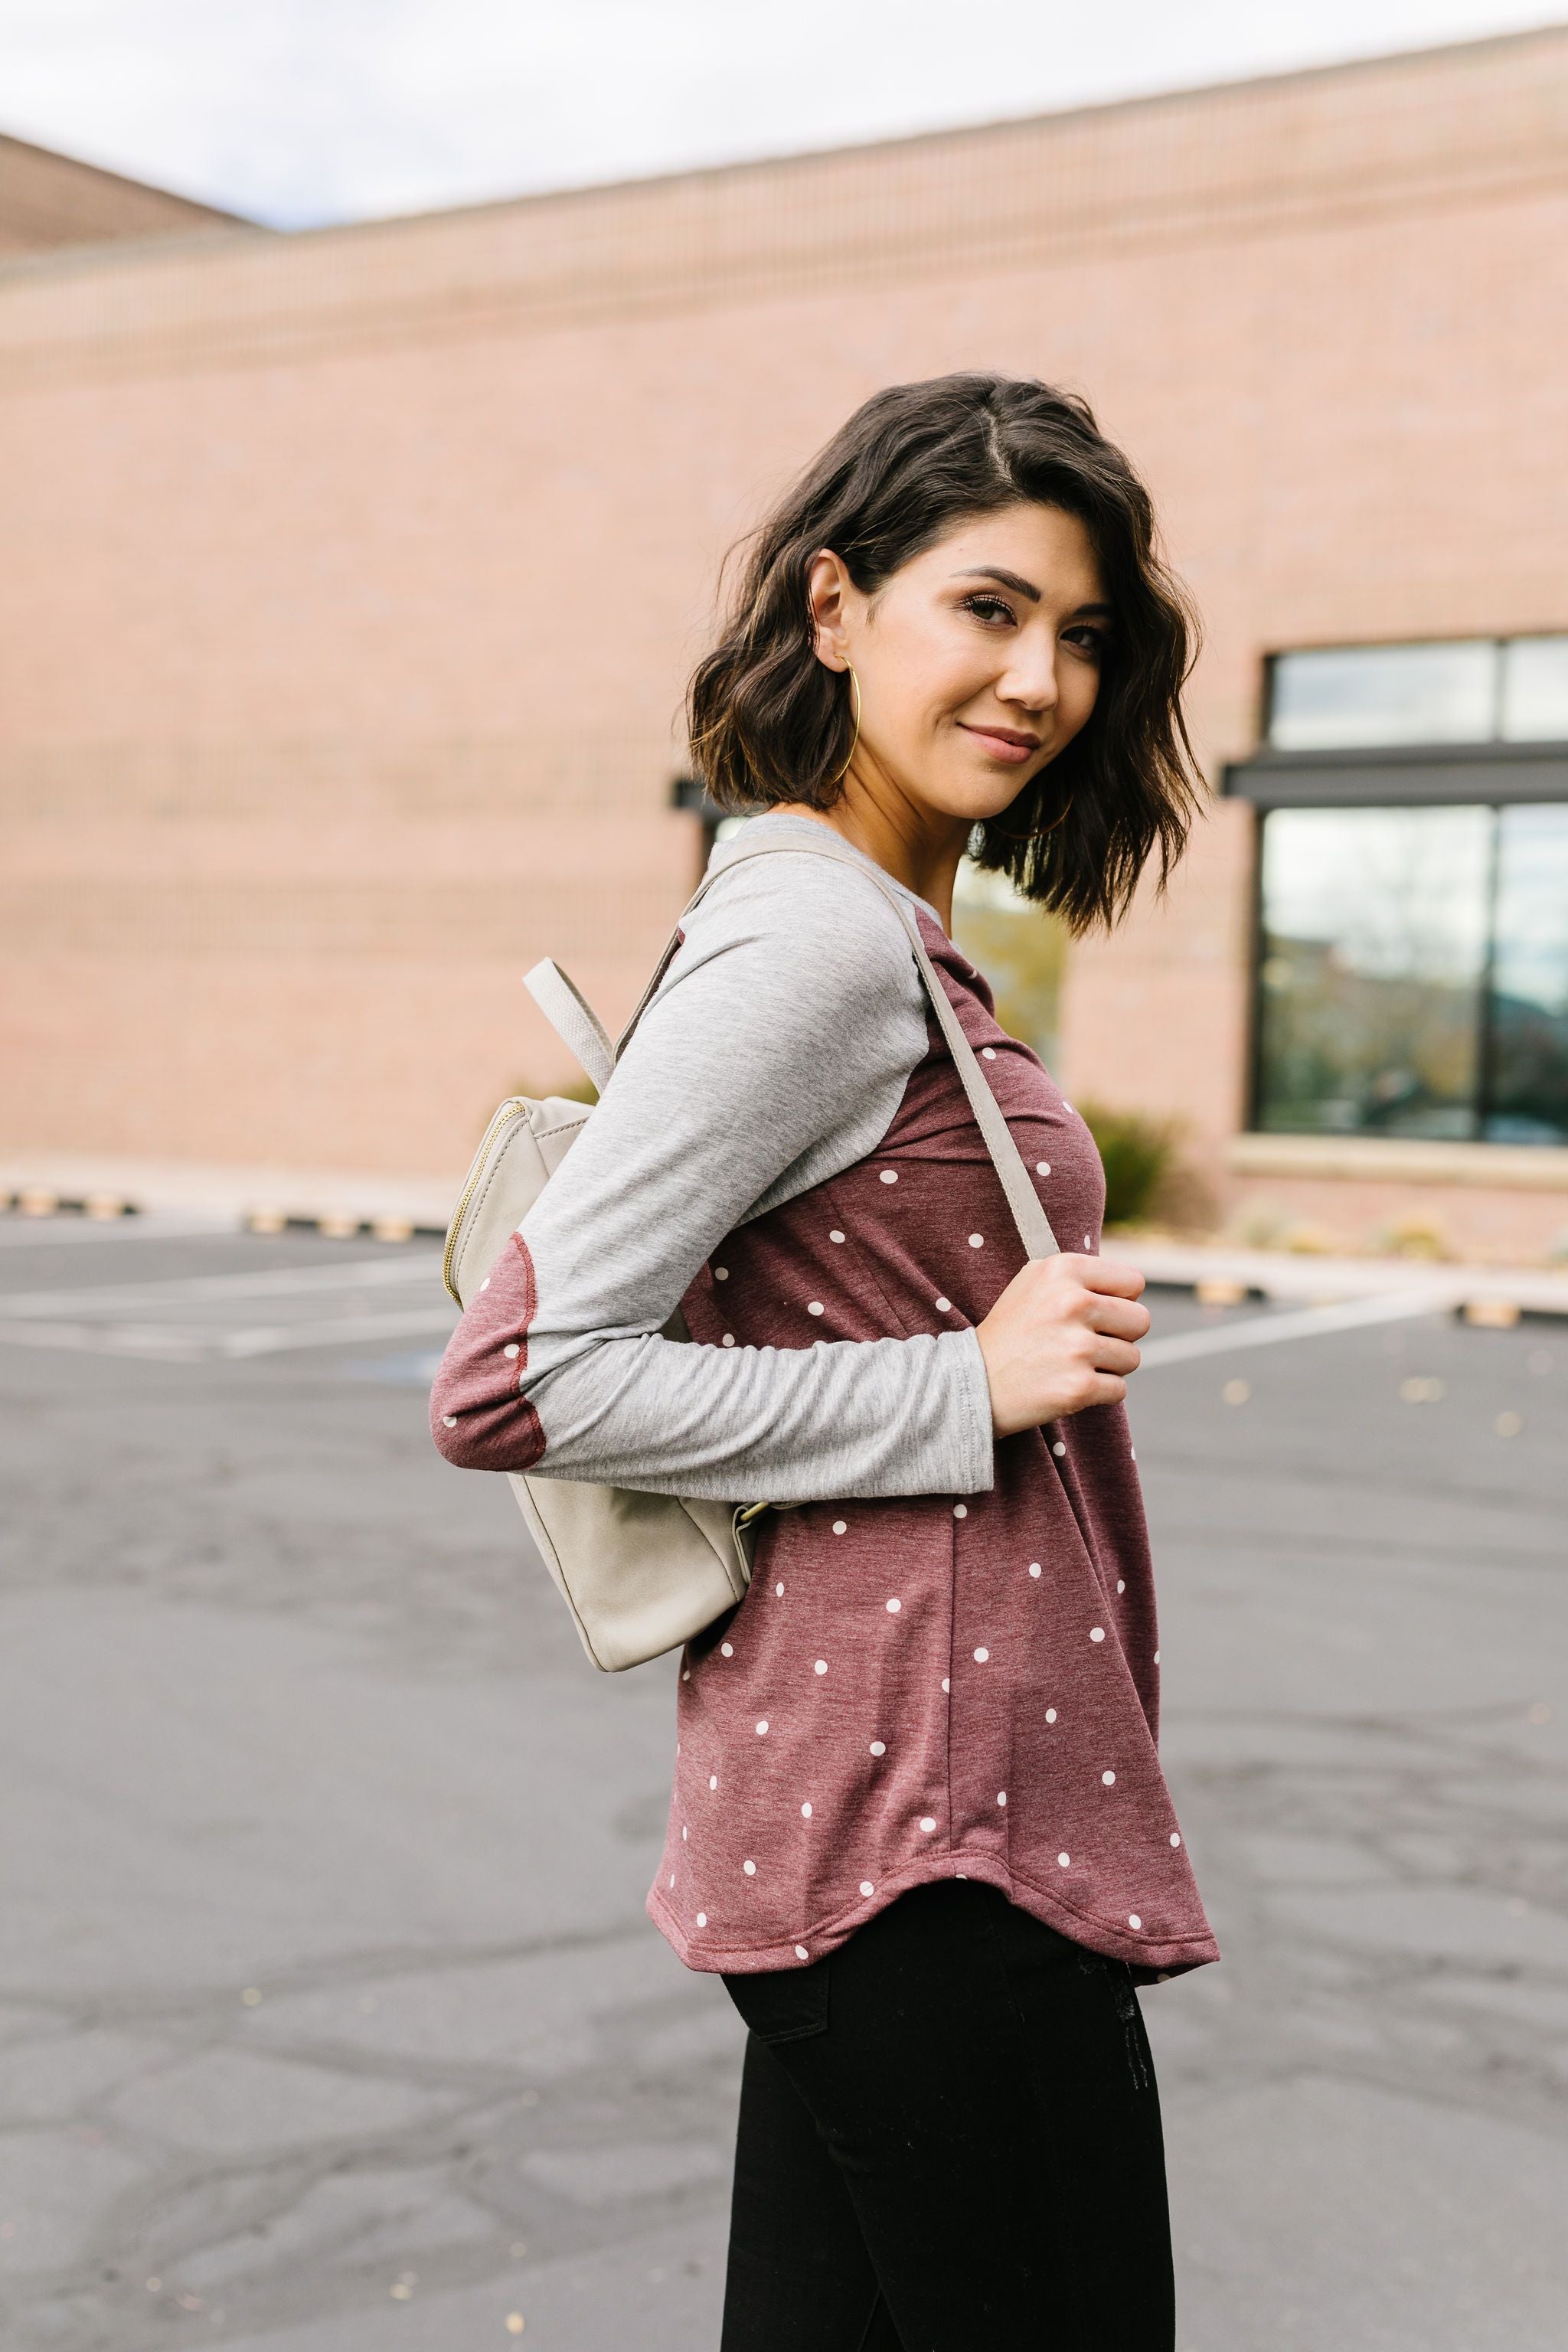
[(1139, 1153)]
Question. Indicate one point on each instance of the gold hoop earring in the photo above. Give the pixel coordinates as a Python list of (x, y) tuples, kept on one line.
[(1035, 833), (855, 687)]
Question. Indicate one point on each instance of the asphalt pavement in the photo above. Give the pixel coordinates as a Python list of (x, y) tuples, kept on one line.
[(330, 2018)]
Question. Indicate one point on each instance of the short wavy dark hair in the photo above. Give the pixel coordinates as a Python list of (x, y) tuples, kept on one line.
[(769, 723)]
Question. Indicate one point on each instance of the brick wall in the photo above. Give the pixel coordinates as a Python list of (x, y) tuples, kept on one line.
[(350, 579)]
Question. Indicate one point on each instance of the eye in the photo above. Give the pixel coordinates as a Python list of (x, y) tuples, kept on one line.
[(1089, 640), (988, 609)]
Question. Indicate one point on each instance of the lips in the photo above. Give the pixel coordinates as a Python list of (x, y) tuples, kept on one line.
[(1003, 742)]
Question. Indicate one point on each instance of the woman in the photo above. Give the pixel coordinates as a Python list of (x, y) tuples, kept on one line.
[(919, 1822)]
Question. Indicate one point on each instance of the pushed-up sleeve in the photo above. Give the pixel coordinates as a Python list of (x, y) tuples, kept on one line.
[(773, 1057)]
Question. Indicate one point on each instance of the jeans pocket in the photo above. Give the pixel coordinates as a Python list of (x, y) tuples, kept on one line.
[(782, 2004)]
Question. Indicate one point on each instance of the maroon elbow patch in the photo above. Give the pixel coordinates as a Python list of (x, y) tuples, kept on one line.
[(477, 1417)]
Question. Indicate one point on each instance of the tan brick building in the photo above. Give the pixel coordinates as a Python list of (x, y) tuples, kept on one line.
[(350, 581)]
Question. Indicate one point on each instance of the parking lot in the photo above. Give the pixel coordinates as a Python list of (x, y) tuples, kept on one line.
[(330, 2018)]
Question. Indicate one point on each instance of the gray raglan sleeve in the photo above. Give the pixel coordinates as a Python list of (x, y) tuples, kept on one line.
[(773, 1057)]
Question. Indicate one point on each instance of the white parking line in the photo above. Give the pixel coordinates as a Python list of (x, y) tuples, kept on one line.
[(269, 1282), (122, 1318), (1306, 1323)]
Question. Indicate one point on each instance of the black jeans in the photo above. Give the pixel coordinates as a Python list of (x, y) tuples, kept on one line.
[(949, 2142)]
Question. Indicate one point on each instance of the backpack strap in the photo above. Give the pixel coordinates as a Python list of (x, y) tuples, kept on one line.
[(573, 1019)]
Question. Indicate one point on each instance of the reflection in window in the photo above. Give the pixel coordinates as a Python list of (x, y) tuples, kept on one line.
[(1374, 953), (1018, 947), (1414, 973), (1333, 698), (1527, 1094)]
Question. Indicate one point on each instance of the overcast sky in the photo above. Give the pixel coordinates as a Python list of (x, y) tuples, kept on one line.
[(298, 111)]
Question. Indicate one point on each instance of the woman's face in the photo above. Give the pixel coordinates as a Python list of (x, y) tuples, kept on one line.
[(978, 660)]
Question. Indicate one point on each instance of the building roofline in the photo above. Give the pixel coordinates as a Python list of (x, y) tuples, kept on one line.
[(226, 226), (221, 213)]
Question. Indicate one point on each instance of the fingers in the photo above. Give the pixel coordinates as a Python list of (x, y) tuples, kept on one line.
[(1111, 1275), (1117, 1356), (1120, 1318)]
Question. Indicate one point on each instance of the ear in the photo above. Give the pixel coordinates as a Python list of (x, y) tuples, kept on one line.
[(828, 588)]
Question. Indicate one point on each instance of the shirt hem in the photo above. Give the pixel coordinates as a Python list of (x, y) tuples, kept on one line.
[(1157, 1956)]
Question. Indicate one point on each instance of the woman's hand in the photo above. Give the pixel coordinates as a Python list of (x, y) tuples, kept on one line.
[(1062, 1336)]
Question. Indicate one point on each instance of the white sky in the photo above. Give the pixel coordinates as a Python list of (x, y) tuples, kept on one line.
[(307, 111)]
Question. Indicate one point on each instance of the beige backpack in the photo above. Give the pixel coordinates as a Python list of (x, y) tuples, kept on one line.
[(642, 1573)]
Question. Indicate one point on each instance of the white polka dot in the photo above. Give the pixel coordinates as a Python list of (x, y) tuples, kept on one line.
[(988, 1053), (761, 1727), (1132, 1457), (893, 1607), (820, 1668), (890, 1175), (1050, 1714), (1107, 1779), (1042, 1167), (927, 1824), (1034, 1567), (1175, 1837), (749, 1868), (450, 1420), (728, 1340), (684, 1832), (511, 1349), (961, 1510), (839, 1525), (981, 1656), (1063, 1860), (1133, 1920), (866, 1888), (726, 1649), (1097, 1632), (1156, 1657), (814, 1306), (1059, 1448), (835, 1235), (702, 1918), (686, 1674), (1070, 1110), (672, 1878), (1122, 1584), (945, 1683), (779, 1590), (976, 1241), (1001, 1796), (801, 1953), (486, 1283), (805, 1813), (1089, 1241), (879, 1747), (713, 1780), (945, 1306)]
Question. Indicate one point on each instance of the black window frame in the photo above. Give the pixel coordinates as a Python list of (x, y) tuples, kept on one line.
[(1494, 774)]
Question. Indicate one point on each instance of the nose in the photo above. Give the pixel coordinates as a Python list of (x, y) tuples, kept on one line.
[(1030, 680)]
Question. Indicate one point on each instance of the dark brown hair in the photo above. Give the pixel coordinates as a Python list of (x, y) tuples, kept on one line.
[(770, 723)]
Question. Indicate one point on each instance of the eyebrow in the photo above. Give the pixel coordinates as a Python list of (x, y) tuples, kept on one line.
[(1017, 581)]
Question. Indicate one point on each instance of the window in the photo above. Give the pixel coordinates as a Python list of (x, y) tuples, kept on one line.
[(1469, 690), (1413, 972), (1413, 966)]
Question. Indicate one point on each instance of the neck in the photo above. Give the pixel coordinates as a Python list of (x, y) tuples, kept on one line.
[(918, 847)]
